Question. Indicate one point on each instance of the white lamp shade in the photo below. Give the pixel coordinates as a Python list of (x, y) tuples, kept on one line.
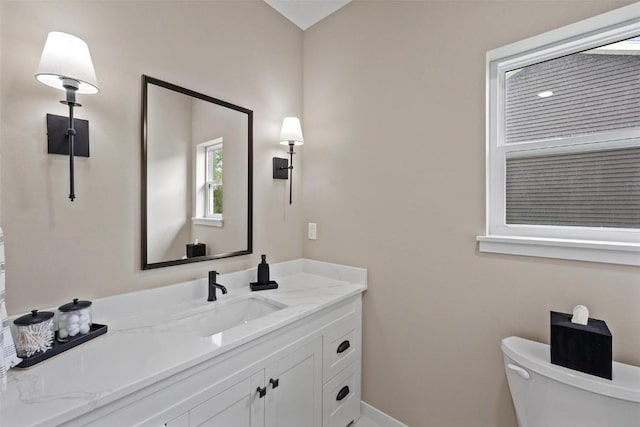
[(291, 131), (67, 56)]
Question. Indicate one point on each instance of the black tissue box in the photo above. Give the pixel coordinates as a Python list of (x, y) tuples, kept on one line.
[(584, 348), (194, 250)]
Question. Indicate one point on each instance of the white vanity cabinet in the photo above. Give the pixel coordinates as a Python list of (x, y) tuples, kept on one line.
[(303, 374), (284, 394), (294, 388), (232, 407), (342, 371)]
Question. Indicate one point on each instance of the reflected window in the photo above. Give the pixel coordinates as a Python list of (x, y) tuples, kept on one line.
[(208, 169), (213, 192)]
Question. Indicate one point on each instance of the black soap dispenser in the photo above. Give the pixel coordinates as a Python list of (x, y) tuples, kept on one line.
[(263, 271), (263, 282)]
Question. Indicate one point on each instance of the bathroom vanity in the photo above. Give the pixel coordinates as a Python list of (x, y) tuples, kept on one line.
[(284, 357)]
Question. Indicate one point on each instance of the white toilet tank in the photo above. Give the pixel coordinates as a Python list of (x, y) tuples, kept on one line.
[(547, 395)]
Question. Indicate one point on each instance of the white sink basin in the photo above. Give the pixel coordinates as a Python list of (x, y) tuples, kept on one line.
[(225, 315)]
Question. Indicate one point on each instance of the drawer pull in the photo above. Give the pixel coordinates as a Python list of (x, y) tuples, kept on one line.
[(344, 392), (261, 391), (344, 345), (274, 382)]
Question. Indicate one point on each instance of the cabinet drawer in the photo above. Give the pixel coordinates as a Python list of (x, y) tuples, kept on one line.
[(341, 399), (340, 346)]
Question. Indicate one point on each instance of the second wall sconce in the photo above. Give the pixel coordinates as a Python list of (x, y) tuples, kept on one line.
[(66, 64), (291, 134)]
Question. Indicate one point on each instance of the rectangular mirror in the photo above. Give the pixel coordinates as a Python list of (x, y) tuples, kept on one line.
[(196, 176)]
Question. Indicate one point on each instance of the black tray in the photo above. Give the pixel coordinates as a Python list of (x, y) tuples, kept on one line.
[(58, 347), (271, 284)]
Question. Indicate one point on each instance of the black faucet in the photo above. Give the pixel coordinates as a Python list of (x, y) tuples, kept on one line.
[(213, 285)]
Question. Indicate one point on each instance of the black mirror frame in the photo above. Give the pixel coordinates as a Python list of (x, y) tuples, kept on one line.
[(146, 80)]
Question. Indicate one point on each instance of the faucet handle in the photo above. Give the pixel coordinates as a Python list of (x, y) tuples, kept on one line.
[(213, 276)]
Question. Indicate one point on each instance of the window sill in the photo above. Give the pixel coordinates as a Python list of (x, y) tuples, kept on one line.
[(580, 250), (209, 222)]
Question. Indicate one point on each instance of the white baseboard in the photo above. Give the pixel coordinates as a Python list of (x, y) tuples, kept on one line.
[(379, 417)]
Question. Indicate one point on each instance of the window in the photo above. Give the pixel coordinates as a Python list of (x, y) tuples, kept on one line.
[(563, 139), (213, 172), (208, 176)]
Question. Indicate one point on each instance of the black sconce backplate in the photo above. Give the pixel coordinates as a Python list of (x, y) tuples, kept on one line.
[(58, 141), (280, 168)]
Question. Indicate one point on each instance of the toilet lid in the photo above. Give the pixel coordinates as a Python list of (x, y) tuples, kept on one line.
[(535, 356)]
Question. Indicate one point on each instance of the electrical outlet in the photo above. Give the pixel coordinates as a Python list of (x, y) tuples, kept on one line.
[(313, 227)]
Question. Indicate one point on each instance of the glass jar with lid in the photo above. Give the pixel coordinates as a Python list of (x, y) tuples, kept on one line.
[(34, 333), (74, 319)]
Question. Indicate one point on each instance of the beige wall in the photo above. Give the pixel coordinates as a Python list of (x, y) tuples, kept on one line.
[(394, 177), (243, 52), (211, 121), (169, 118)]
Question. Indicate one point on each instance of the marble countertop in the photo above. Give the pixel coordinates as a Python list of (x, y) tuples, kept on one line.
[(152, 323)]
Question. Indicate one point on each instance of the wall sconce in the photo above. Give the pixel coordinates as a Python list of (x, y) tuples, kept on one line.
[(291, 134), (66, 64)]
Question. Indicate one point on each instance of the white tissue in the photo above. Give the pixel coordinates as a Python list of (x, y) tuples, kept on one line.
[(580, 315), (195, 242)]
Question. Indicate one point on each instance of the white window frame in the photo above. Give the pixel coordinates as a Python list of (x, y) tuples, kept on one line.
[(618, 246), (200, 215), (212, 183)]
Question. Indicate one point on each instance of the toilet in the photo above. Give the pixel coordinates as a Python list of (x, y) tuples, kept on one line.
[(546, 395)]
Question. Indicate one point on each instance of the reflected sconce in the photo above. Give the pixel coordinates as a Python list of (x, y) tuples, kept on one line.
[(66, 64), (291, 134)]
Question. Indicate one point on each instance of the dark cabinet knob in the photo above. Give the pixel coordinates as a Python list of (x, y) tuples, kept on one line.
[(274, 382), (344, 392), (344, 346), (261, 391)]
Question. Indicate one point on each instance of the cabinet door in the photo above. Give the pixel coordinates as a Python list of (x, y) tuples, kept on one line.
[(231, 408), (294, 384)]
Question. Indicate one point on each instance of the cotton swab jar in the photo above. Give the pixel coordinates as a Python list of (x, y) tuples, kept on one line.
[(74, 319), (34, 333)]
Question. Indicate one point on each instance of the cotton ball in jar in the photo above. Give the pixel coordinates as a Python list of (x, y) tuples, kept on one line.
[(72, 320), (75, 318), (63, 333)]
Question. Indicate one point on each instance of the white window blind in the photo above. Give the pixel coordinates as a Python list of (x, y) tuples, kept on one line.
[(590, 189), (591, 93)]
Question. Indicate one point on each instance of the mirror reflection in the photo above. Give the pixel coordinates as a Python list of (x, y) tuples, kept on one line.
[(196, 176)]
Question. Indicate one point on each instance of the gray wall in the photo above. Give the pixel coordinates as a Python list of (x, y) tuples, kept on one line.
[(242, 52), (394, 103)]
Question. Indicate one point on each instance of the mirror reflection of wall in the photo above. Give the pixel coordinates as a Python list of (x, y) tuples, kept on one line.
[(218, 222), (197, 178), (169, 134)]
